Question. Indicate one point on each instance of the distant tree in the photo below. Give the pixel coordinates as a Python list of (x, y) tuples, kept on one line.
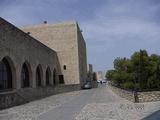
[(109, 74), (120, 64), (141, 71)]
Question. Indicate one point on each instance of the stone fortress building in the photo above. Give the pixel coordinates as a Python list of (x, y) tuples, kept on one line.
[(66, 39), (40, 59)]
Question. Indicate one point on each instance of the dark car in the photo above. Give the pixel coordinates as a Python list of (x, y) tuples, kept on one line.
[(87, 85)]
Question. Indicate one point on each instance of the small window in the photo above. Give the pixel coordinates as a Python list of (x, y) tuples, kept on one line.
[(64, 67)]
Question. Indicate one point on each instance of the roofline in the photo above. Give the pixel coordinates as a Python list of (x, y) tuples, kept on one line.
[(50, 24), (32, 38)]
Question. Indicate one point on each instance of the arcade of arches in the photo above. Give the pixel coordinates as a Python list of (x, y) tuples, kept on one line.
[(7, 72)]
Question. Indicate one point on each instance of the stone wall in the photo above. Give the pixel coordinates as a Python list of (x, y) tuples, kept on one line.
[(19, 48), (123, 93), (9, 99), (151, 96), (67, 88), (82, 57), (21, 96)]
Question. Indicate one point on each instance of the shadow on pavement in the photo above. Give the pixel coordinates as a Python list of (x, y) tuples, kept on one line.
[(153, 116)]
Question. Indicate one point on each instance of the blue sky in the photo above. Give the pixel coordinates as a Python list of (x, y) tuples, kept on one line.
[(111, 28)]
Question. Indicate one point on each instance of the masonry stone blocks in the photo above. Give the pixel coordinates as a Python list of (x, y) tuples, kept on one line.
[(46, 55)]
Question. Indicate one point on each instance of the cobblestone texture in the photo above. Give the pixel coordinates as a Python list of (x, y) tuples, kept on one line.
[(111, 107), (116, 111), (95, 104), (31, 110)]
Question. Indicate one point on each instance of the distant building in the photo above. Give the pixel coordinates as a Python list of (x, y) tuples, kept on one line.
[(99, 75), (90, 71)]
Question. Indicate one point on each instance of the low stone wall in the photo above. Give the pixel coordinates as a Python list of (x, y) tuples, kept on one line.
[(30, 94), (151, 96), (13, 98), (9, 99), (66, 88), (123, 93)]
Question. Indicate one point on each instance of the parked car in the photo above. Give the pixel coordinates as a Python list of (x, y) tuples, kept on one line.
[(103, 81), (98, 81), (87, 85)]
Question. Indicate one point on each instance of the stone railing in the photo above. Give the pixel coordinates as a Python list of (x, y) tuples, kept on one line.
[(150, 96)]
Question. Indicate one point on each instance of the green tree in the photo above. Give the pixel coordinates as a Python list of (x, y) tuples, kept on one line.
[(109, 74), (140, 62), (120, 64), (141, 71)]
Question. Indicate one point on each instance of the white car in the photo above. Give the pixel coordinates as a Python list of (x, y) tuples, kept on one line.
[(104, 81), (98, 81)]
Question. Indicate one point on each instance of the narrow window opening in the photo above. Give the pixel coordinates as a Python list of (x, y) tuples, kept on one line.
[(25, 76), (61, 79), (64, 67)]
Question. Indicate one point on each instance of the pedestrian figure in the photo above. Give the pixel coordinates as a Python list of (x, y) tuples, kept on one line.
[(135, 96), (101, 82)]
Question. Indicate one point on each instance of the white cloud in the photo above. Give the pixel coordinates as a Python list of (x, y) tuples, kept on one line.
[(119, 29), (111, 29)]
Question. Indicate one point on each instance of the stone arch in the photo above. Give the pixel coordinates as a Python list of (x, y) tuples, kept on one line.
[(26, 75), (48, 76), (7, 74), (54, 76), (39, 76)]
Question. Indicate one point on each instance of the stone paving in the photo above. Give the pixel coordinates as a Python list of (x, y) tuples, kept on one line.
[(116, 111), (94, 104), (31, 110), (112, 107)]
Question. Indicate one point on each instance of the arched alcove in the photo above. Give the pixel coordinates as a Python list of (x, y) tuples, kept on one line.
[(48, 76), (39, 75), (7, 74)]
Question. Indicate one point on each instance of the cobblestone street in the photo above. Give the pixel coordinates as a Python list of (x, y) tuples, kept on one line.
[(95, 104)]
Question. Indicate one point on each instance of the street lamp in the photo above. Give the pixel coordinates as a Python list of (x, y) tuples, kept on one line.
[(135, 87)]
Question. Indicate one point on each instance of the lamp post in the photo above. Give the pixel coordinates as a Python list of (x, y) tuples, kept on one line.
[(135, 88)]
